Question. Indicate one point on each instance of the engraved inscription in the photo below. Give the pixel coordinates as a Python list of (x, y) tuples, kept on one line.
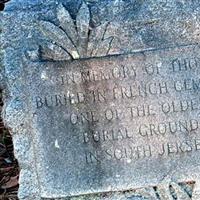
[(128, 112)]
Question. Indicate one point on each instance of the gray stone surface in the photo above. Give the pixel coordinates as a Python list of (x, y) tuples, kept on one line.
[(102, 98)]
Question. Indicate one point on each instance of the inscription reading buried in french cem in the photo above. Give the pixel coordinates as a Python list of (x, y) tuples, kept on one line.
[(110, 121)]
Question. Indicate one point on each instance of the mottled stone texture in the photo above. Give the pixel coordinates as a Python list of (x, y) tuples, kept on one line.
[(102, 98)]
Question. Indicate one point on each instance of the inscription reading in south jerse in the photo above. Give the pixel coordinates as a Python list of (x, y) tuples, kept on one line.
[(130, 110)]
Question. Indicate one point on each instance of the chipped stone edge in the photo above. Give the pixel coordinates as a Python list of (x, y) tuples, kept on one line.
[(15, 118)]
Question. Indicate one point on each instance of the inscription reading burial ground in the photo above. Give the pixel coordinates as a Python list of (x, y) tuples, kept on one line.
[(118, 122)]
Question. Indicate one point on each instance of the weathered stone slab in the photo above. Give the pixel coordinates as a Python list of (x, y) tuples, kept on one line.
[(103, 96), (116, 123)]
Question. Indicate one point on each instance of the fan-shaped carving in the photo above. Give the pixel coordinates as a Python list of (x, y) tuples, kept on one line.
[(74, 39)]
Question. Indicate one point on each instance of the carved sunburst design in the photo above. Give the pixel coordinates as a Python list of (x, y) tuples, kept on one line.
[(74, 39)]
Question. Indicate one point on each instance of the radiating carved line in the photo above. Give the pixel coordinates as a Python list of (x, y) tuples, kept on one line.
[(74, 37)]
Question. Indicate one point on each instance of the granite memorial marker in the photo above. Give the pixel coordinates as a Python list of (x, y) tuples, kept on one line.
[(102, 97)]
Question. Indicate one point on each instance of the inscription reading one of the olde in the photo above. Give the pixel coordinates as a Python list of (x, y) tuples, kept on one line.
[(122, 110)]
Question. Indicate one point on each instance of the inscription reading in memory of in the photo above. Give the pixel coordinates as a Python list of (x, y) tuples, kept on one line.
[(120, 116)]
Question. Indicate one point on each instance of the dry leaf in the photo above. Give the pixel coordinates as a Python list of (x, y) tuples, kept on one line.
[(13, 182), (6, 169)]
